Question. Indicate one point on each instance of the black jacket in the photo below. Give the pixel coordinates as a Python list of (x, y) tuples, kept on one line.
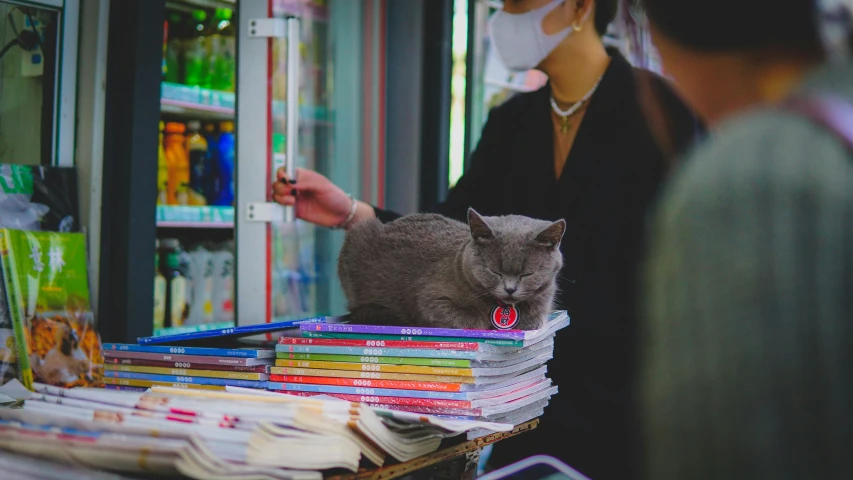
[(610, 177)]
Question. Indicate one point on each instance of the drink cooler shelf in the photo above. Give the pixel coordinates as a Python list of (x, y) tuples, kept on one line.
[(180, 216)]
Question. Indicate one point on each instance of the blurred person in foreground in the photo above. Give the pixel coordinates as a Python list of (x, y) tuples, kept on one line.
[(748, 318)]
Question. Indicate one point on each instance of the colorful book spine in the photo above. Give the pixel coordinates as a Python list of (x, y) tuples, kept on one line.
[(376, 351), (188, 373), (437, 362), (204, 351), (376, 367), (186, 379), (125, 388), (381, 392), (419, 331), (469, 413), (370, 399), (187, 365), (406, 377), (358, 382), (146, 384), (408, 338), (352, 342), (245, 330), (195, 359)]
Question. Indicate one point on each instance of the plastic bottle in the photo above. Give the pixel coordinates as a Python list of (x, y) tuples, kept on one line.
[(174, 48), (159, 295), (162, 170), (223, 283), (223, 51), (196, 71), (211, 191), (176, 284), (199, 163), (201, 273), (225, 180), (177, 163), (165, 43)]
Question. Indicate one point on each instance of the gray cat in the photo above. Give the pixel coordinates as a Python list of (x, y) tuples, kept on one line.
[(431, 271)]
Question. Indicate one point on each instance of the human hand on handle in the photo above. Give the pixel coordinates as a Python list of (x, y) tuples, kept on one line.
[(317, 200)]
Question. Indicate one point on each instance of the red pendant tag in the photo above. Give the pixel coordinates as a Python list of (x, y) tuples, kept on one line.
[(504, 317)]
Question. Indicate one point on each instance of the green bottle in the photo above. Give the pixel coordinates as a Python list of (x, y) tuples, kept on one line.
[(196, 71), (222, 51)]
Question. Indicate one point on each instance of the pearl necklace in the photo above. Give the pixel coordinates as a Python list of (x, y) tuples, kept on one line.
[(565, 114)]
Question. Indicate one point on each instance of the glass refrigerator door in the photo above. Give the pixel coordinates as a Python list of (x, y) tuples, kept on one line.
[(309, 112), (301, 137)]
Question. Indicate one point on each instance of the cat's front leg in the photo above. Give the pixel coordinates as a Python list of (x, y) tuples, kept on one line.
[(533, 317)]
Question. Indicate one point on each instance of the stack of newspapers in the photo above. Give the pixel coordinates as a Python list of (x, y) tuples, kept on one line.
[(202, 434), (482, 375)]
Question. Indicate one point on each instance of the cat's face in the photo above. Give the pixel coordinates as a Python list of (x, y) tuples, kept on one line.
[(514, 258)]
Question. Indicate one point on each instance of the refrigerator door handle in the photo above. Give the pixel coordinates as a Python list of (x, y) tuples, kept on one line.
[(292, 138)]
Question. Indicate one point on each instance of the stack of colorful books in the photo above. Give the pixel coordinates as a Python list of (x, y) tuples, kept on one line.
[(188, 360), (139, 367), (487, 375)]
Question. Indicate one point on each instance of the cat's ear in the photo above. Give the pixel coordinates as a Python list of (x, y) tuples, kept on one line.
[(480, 230), (552, 235)]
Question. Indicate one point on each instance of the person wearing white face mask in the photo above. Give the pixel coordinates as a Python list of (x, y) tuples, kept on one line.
[(582, 149)]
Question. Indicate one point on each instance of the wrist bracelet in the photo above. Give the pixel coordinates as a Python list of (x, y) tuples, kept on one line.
[(343, 225)]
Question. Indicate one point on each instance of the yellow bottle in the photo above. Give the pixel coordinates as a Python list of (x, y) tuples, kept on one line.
[(162, 170), (159, 295)]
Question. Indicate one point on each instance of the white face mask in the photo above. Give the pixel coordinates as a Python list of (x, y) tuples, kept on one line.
[(519, 39)]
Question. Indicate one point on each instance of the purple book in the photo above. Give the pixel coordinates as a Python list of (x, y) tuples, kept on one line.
[(556, 321)]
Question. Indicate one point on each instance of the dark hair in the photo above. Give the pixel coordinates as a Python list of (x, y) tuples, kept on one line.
[(744, 25), (605, 12)]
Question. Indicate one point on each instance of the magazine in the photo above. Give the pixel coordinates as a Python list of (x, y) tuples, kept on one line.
[(47, 292), (199, 351), (556, 321)]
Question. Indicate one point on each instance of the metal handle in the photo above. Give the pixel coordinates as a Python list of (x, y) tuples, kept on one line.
[(292, 105)]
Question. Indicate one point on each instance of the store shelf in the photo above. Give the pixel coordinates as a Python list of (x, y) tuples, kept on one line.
[(190, 5), (199, 103), (169, 216), (205, 104)]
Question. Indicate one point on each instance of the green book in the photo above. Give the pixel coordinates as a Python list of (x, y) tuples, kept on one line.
[(426, 362), (419, 338), (47, 292)]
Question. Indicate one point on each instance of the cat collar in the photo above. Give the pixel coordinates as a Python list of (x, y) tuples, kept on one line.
[(504, 317)]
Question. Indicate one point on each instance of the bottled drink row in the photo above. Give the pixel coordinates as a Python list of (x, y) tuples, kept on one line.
[(199, 49), (195, 166), (193, 287)]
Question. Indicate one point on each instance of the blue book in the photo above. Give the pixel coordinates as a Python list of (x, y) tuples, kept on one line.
[(228, 333), (203, 351), (190, 380)]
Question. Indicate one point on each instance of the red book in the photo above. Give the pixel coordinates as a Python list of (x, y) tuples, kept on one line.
[(186, 365), (414, 402), (346, 342)]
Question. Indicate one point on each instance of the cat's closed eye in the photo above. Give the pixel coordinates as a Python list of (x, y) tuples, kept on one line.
[(524, 275), (496, 273)]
